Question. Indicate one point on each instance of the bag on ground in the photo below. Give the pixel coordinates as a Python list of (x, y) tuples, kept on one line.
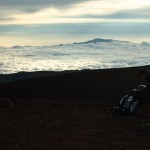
[(127, 105)]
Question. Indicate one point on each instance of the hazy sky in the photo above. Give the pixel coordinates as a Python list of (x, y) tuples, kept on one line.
[(46, 22)]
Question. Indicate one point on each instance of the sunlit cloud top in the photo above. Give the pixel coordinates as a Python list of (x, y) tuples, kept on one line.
[(72, 11)]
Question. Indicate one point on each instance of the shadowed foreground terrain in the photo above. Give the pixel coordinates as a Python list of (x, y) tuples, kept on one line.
[(73, 111)]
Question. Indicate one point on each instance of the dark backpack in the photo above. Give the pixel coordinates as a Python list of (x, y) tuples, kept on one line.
[(127, 105)]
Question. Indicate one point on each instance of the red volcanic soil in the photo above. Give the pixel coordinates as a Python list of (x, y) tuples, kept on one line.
[(73, 111)]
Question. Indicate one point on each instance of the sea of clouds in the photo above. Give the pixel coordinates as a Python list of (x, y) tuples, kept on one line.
[(99, 55)]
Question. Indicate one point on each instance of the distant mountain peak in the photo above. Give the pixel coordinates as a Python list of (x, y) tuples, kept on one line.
[(99, 40), (145, 43)]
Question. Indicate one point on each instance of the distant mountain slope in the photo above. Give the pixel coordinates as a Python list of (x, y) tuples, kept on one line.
[(94, 41), (99, 40)]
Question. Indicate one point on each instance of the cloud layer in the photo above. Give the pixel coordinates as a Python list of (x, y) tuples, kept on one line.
[(74, 56), (34, 5), (71, 11)]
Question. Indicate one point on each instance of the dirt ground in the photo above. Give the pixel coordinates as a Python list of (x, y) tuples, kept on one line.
[(73, 111), (72, 124)]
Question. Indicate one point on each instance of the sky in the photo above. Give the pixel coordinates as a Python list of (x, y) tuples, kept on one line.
[(47, 22)]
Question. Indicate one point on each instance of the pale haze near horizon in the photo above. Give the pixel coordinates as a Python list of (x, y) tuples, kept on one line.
[(51, 22)]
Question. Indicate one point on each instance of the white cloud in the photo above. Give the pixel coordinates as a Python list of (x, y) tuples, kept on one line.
[(71, 14), (73, 57)]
